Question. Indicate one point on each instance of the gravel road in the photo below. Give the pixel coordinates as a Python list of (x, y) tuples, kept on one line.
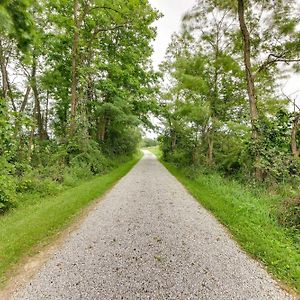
[(149, 239)]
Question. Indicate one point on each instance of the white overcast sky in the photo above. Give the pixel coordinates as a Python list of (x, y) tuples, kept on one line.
[(173, 10)]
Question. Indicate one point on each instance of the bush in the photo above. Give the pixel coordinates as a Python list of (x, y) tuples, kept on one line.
[(289, 213), (77, 171), (31, 183), (7, 193), (90, 160), (7, 185), (123, 142)]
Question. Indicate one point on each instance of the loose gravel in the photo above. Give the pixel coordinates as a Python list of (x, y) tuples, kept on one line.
[(149, 239)]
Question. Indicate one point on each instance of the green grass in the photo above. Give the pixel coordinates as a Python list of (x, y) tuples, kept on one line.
[(26, 227), (249, 219)]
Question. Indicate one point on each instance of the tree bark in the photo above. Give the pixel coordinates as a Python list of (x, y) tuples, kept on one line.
[(30, 142), (248, 68), (101, 129), (21, 110), (210, 151), (25, 99), (47, 112), (41, 131), (250, 81), (74, 70), (3, 72), (173, 140), (6, 88)]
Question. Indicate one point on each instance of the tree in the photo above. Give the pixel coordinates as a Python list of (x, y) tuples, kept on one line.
[(283, 42), (223, 73), (84, 83), (211, 27)]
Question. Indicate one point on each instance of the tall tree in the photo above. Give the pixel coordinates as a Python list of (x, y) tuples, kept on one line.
[(211, 27)]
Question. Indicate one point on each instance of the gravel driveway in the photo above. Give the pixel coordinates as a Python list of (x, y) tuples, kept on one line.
[(149, 239)]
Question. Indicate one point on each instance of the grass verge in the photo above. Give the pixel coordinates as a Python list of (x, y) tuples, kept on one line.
[(26, 227), (249, 219)]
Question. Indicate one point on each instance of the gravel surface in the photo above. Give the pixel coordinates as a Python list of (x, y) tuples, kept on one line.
[(149, 239)]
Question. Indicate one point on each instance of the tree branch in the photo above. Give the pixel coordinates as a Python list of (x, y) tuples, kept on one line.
[(108, 29), (292, 101), (277, 58)]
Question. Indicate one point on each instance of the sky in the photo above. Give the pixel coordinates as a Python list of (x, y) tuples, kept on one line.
[(173, 10)]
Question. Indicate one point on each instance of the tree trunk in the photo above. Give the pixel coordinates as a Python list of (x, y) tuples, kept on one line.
[(173, 140), (295, 149), (3, 72), (25, 99), (248, 68), (74, 70), (30, 142), (6, 89), (47, 112), (101, 129), (41, 131), (250, 81), (21, 110), (210, 157)]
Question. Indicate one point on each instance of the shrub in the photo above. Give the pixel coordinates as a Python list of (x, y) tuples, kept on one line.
[(77, 171), (121, 142), (289, 213), (7, 193), (31, 183)]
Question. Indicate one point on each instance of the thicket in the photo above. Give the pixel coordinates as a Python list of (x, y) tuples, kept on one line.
[(76, 84), (221, 102), (148, 142)]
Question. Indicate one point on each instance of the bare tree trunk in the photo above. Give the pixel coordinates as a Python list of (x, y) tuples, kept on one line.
[(295, 149), (38, 114), (3, 72), (25, 99), (210, 151), (21, 110), (30, 143), (6, 89), (101, 129), (47, 112), (250, 80), (248, 68), (74, 70), (173, 140)]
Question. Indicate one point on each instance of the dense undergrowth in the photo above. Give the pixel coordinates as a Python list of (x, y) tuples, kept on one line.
[(257, 216), (53, 169)]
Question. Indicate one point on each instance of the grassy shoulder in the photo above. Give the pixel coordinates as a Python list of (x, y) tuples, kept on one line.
[(249, 219), (27, 226)]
